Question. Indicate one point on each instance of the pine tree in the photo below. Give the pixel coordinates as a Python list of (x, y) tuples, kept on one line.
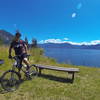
[(34, 42), (26, 41)]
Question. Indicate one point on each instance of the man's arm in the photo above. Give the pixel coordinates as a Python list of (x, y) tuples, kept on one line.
[(26, 49), (10, 50)]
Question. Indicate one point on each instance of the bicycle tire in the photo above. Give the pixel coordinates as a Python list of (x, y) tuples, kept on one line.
[(10, 83)]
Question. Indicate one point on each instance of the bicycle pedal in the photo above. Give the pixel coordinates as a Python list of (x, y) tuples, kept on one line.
[(28, 77)]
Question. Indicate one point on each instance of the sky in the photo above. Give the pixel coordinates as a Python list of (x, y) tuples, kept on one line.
[(55, 21)]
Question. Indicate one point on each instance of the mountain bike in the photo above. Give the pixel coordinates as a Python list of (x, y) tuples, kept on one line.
[(11, 79)]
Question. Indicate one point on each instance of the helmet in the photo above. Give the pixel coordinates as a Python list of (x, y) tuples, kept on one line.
[(18, 34)]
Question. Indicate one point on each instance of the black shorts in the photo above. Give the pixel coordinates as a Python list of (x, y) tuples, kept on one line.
[(22, 56)]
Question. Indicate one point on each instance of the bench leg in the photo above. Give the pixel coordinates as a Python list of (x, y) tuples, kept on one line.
[(72, 73), (73, 76), (40, 71)]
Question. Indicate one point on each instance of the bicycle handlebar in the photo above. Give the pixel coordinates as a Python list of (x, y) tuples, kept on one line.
[(19, 56)]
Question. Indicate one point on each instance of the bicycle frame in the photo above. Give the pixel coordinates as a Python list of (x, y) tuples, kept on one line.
[(18, 64)]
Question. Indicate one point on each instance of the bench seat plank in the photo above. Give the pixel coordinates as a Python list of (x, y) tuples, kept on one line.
[(58, 68)]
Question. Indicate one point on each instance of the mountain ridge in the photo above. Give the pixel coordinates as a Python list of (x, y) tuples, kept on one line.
[(6, 37), (69, 46)]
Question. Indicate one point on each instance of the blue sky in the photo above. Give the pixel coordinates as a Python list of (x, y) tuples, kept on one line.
[(75, 21)]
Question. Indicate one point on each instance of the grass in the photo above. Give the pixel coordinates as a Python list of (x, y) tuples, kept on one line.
[(53, 85)]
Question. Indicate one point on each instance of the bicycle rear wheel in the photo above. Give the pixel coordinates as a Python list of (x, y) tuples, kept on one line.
[(10, 80)]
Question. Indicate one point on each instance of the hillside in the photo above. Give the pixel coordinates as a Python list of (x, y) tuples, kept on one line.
[(5, 36), (53, 85)]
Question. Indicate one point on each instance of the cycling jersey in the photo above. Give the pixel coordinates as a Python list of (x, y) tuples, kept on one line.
[(19, 47)]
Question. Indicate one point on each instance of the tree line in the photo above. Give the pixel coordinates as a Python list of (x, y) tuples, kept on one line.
[(33, 43)]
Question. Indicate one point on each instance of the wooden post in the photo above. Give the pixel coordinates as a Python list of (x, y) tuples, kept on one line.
[(73, 76), (40, 70)]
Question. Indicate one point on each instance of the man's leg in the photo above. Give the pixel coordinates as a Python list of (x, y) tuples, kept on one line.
[(25, 60), (20, 62)]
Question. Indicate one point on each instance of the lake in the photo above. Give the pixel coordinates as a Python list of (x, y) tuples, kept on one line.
[(84, 57)]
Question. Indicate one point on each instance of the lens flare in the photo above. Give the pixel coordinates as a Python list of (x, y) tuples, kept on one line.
[(74, 15), (79, 6)]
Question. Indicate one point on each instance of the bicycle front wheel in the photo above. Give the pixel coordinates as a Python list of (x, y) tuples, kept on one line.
[(10, 80)]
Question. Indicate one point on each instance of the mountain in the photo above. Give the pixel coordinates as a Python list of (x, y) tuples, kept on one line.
[(58, 45), (5, 36), (68, 46), (55, 45)]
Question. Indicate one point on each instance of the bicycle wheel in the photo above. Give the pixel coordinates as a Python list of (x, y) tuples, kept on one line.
[(33, 71), (10, 80)]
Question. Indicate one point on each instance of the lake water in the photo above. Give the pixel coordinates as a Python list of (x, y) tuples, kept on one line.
[(84, 57)]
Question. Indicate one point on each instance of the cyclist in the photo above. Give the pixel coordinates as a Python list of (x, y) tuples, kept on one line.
[(20, 49)]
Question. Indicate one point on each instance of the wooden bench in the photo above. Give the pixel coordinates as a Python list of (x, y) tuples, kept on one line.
[(69, 70)]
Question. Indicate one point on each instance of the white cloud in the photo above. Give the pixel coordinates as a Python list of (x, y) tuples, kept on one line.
[(54, 41), (41, 42), (74, 43), (74, 15), (86, 43), (65, 40), (95, 42)]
